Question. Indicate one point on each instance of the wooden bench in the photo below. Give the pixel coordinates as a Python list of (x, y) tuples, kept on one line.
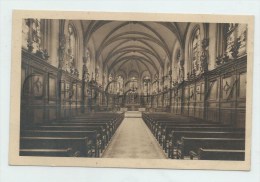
[(111, 127), (53, 138), (218, 154), (79, 146), (167, 133), (177, 135), (47, 152), (166, 130), (109, 131), (192, 124), (100, 130), (94, 139), (193, 144), (115, 122)]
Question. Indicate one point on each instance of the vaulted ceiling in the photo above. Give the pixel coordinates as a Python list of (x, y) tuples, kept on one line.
[(134, 46)]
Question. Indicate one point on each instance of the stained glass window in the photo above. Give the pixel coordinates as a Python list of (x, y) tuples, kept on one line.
[(196, 48), (120, 84), (235, 36), (70, 65)]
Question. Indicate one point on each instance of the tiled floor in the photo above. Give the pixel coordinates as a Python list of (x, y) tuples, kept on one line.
[(133, 139)]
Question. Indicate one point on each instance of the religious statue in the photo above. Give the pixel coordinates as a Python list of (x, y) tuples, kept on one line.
[(88, 57), (180, 68), (62, 49), (37, 86), (204, 55), (104, 79), (97, 74), (85, 74)]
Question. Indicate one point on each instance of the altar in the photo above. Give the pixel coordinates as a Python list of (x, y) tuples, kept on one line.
[(132, 107)]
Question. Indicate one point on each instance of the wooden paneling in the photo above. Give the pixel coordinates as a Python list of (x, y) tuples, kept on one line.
[(38, 115), (226, 116), (227, 87), (241, 116), (218, 96), (40, 97), (199, 110), (52, 88), (52, 113), (242, 85), (213, 90), (213, 114)]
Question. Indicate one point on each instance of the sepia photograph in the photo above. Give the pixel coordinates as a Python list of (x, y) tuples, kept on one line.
[(134, 90)]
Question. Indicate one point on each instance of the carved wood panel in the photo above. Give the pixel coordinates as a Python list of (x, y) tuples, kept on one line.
[(242, 85), (227, 87), (213, 90), (52, 88)]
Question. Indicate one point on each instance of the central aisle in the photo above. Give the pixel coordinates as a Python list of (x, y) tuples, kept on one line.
[(133, 139)]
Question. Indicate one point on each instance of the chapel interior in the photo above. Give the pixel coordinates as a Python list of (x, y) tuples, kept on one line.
[(133, 89)]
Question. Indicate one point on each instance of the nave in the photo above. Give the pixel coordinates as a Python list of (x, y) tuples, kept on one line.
[(84, 81), (154, 136), (133, 139)]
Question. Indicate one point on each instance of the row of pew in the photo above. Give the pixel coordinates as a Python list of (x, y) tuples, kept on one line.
[(191, 138), (81, 136)]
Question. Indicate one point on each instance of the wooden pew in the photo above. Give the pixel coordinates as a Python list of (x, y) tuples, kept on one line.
[(157, 124), (167, 133), (79, 146), (168, 128), (114, 122), (47, 152), (105, 128), (221, 154), (192, 124), (193, 144), (100, 130), (109, 125), (94, 139), (177, 135)]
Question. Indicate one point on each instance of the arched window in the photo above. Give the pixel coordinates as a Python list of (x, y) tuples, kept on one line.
[(146, 83), (235, 36), (36, 34), (32, 34), (25, 33), (133, 83), (155, 83), (72, 40), (71, 51), (195, 52), (120, 84)]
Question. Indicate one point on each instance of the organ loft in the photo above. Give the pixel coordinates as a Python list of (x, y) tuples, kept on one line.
[(85, 85)]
